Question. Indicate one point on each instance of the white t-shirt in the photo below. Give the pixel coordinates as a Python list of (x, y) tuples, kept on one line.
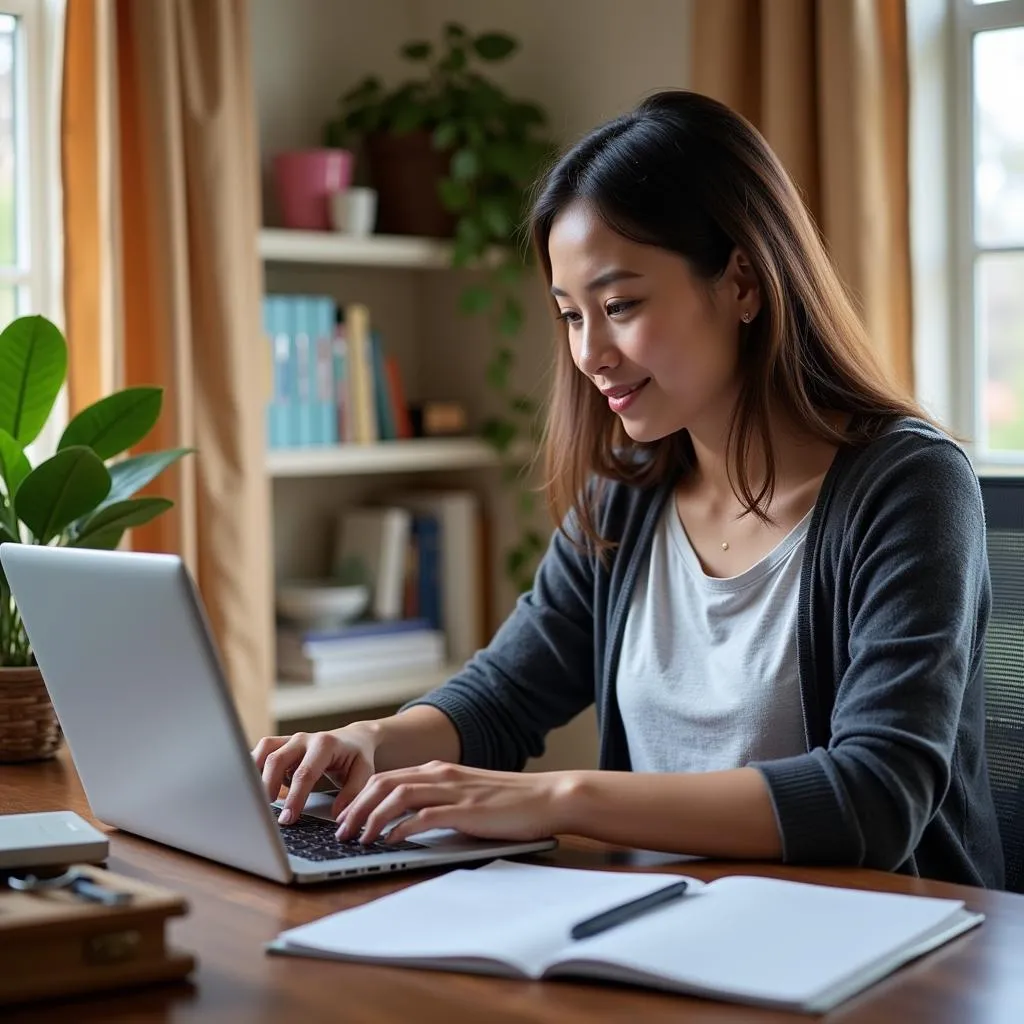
[(707, 676)]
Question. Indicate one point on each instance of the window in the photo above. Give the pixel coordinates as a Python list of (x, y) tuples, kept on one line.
[(988, 136)]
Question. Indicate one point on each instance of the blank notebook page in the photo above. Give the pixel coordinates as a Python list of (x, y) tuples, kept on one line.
[(518, 913), (761, 938)]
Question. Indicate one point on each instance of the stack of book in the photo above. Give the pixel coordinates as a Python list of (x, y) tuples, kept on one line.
[(330, 380), (420, 556), (359, 653)]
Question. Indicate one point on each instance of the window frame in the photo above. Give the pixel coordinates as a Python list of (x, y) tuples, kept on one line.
[(967, 19)]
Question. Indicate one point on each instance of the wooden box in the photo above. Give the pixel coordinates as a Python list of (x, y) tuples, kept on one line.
[(55, 944)]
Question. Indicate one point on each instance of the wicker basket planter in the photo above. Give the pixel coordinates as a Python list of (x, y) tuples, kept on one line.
[(29, 730)]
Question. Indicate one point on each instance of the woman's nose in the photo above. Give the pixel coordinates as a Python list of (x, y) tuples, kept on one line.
[(596, 353)]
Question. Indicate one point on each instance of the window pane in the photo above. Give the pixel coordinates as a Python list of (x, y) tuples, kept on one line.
[(1000, 326), (999, 136), (8, 304), (8, 227)]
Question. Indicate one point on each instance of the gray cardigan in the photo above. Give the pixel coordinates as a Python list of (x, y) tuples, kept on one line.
[(893, 609)]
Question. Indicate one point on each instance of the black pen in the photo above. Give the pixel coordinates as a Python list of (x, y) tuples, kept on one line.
[(627, 911)]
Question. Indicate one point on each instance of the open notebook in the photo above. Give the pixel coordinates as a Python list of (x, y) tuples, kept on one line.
[(754, 940)]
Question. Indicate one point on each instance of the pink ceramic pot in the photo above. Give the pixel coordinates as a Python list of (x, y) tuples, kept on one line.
[(304, 180)]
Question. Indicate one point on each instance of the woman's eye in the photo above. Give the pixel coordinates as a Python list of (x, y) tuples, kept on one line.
[(569, 316), (618, 308)]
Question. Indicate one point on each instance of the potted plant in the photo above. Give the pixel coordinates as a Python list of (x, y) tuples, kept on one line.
[(81, 496), (452, 154)]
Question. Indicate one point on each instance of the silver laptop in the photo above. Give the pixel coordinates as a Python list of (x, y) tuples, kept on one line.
[(128, 658)]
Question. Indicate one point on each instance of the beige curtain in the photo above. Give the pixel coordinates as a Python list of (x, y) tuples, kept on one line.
[(826, 82), (163, 285)]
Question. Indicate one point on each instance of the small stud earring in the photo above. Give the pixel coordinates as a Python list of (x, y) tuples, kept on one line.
[(746, 317)]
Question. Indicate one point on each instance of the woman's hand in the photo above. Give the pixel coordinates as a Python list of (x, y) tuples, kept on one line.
[(345, 756), (487, 804)]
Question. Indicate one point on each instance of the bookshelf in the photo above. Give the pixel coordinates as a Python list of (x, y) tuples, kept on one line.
[(309, 484), (328, 248), (416, 455)]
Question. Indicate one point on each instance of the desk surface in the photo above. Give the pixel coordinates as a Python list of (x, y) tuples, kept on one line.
[(976, 978)]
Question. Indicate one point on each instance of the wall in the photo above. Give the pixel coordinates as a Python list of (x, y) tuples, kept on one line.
[(584, 61)]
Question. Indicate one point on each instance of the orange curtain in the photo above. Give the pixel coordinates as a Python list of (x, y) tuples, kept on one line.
[(163, 285), (827, 83)]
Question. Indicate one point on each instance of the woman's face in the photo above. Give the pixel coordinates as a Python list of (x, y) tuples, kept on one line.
[(658, 342)]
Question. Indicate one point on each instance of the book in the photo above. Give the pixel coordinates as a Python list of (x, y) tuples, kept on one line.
[(456, 550), (370, 548), (761, 941)]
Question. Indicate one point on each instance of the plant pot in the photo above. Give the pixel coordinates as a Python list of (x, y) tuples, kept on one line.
[(405, 170), (305, 180), (29, 730)]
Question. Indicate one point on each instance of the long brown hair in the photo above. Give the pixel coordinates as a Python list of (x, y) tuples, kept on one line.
[(687, 174)]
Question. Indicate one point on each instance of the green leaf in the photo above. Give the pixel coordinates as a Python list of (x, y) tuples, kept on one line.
[(493, 214), (509, 274), (494, 45), (115, 518), (454, 32), (523, 405), (408, 120), (130, 475), (58, 491), (455, 61), (14, 464), (476, 298), (515, 560), (417, 51), (116, 422), (511, 318), (445, 135), (465, 165), (33, 364), (455, 195), (498, 370), (498, 433)]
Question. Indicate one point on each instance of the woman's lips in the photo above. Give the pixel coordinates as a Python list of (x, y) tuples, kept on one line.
[(622, 397)]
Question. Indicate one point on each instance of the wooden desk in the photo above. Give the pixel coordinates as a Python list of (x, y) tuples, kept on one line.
[(977, 978)]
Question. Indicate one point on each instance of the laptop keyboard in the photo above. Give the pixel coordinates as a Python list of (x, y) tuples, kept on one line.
[(313, 839)]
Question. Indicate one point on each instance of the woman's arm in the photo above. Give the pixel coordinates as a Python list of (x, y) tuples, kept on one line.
[(537, 672), (710, 814)]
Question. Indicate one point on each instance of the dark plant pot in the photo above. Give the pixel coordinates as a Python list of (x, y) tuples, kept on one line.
[(29, 730), (405, 170)]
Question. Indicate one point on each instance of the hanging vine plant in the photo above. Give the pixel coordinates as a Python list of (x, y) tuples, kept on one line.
[(490, 149)]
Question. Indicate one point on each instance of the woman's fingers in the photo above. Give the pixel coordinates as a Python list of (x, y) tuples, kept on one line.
[(321, 752), (280, 760), (358, 775), (402, 798), (266, 746), (438, 816)]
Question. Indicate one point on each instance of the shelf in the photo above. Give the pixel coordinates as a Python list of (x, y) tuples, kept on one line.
[(418, 455), (280, 245), (301, 700)]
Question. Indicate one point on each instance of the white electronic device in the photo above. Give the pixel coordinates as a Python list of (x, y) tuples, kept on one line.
[(49, 839)]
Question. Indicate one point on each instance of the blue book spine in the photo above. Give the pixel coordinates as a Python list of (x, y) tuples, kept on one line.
[(268, 342), (386, 428), (302, 411), (426, 533), (284, 369), (326, 405)]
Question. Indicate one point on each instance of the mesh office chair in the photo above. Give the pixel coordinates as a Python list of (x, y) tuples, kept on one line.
[(1004, 666)]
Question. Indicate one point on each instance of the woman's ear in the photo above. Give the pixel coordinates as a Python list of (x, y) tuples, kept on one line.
[(744, 285)]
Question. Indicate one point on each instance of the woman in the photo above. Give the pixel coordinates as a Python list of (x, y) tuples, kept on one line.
[(770, 572)]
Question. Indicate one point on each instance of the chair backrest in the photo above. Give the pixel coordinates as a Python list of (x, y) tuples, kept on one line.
[(1004, 665)]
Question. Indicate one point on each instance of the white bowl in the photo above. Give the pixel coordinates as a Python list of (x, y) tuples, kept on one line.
[(321, 603)]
